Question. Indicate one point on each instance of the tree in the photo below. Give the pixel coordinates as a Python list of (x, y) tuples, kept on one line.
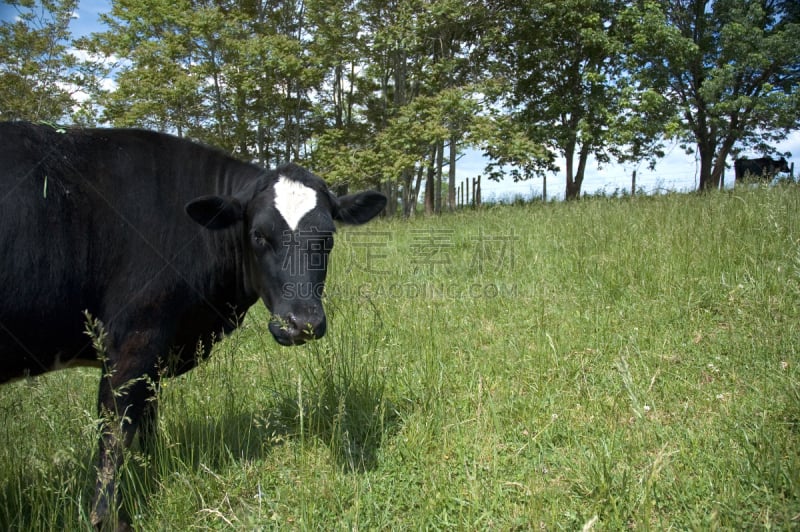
[(36, 68), (562, 60), (156, 83), (336, 28), (415, 97), (728, 69), (236, 74), (339, 127), (451, 33)]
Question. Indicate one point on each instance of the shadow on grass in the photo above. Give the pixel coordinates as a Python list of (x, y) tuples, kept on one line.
[(51, 493), (47, 498), (352, 418), (338, 394), (55, 492), (336, 397)]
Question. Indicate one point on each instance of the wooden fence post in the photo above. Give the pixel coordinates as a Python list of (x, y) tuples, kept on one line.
[(544, 188), (474, 190)]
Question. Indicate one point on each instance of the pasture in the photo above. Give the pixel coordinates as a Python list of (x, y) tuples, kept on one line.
[(607, 364)]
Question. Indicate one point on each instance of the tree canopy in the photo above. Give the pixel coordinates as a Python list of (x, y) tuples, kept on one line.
[(35, 62), (391, 94), (728, 70)]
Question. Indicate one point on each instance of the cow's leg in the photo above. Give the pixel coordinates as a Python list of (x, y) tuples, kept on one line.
[(126, 389)]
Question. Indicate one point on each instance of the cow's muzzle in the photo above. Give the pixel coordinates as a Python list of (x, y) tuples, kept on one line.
[(292, 329)]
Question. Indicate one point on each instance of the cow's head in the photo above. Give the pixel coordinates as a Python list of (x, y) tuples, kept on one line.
[(782, 165), (288, 235)]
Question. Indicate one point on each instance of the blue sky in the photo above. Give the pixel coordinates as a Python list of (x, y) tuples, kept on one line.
[(676, 171)]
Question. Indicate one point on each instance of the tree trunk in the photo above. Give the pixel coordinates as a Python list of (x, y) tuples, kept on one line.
[(338, 96), (390, 190), (430, 184), (351, 93), (569, 153), (417, 188), (706, 164), (575, 176), (408, 192), (437, 199), (573, 191), (718, 172), (451, 176), (573, 188)]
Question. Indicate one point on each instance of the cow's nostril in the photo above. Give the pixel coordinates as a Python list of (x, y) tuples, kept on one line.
[(303, 327), (292, 329), (293, 323)]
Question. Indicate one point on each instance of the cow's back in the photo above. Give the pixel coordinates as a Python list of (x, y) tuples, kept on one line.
[(92, 220)]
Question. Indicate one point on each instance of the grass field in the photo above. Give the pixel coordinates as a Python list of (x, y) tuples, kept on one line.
[(604, 364)]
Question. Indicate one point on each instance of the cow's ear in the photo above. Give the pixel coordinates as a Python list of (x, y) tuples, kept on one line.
[(359, 208), (215, 212)]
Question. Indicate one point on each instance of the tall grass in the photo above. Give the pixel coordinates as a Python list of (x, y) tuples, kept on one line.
[(610, 363)]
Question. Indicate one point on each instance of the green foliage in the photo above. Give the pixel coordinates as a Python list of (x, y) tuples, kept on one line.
[(35, 64), (235, 76), (728, 71), (390, 95), (405, 141), (550, 365), (510, 151), (563, 60)]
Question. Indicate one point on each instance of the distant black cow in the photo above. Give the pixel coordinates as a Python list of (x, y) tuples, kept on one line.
[(167, 243), (762, 168)]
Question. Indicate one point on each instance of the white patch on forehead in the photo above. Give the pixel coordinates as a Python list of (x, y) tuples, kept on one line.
[(293, 200)]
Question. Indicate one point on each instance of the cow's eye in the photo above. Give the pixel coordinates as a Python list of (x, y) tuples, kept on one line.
[(259, 240)]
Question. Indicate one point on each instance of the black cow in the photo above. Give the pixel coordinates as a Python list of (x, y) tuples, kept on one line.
[(167, 243), (762, 168)]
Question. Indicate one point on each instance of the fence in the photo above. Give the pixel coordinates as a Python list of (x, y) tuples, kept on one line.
[(463, 196)]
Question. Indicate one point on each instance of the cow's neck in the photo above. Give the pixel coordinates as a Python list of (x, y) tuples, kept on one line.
[(242, 181)]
